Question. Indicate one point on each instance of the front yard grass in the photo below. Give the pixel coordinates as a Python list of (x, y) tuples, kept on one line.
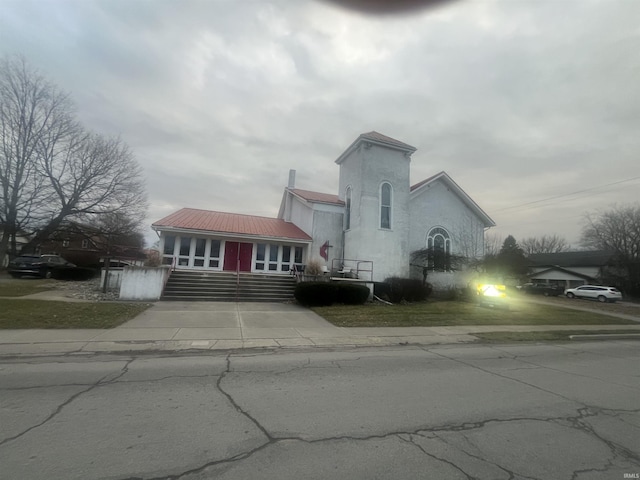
[(26, 286), (17, 313), (442, 313)]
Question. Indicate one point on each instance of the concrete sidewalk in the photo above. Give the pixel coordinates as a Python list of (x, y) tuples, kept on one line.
[(178, 326)]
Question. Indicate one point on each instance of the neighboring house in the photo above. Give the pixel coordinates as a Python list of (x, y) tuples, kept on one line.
[(21, 239), (571, 269), (370, 226), (87, 246)]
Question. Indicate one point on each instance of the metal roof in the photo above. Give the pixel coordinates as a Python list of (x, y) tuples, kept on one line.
[(222, 222)]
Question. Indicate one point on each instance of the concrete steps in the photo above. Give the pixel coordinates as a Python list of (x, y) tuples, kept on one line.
[(224, 287)]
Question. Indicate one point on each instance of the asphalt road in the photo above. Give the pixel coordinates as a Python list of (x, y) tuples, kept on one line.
[(557, 411)]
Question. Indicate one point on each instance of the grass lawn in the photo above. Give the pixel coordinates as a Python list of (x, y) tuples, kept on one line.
[(439, 313), (22, 287), (558, 335), (16, 313)]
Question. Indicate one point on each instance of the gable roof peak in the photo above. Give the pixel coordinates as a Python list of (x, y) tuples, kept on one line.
[(379, 139), (452, 185)]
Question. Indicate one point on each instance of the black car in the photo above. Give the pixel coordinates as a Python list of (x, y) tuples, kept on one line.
[(44, 266), (546, 289)]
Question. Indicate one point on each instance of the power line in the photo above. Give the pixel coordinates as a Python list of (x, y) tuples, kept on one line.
[(567, 194)]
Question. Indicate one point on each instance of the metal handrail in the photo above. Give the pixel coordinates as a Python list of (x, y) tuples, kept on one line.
[(344, 263), (238, 277)]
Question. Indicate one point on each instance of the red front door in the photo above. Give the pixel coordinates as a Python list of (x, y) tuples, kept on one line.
[(237, 254)]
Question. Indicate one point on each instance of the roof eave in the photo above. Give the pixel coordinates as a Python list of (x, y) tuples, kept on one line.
[(408, 149), (167, 228), (307, 200), (467, 200)]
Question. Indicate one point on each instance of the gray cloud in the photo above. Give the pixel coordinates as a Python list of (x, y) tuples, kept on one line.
[(518, 101)]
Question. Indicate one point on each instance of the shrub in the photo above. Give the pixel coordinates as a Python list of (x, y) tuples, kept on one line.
[(315, 294), (406, 289), (351, 294), (321, 294), (78, 273), (314, 268)]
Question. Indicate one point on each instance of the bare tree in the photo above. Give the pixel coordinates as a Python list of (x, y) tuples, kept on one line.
[(34, 116), (468, 238), (119, 233), (618, 230), (492, 244), (92, 177), (544, 244), (50, 168)]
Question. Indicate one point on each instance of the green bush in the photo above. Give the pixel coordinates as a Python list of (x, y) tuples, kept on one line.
[(399, 289), (321, 294), (315, 294), (78, 273), (351, 294)]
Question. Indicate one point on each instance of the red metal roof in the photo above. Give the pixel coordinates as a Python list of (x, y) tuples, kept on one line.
[(317, 196), (222, 222)]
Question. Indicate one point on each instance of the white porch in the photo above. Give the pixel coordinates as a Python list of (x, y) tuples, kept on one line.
[(217, 253)]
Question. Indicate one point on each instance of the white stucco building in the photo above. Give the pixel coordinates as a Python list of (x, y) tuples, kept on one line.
[(371, 225)]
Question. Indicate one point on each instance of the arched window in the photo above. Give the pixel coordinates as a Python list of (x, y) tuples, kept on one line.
[(385, 205), (439, 246), (347, 209)]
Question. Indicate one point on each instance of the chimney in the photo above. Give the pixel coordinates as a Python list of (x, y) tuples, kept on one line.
[(292, 179)]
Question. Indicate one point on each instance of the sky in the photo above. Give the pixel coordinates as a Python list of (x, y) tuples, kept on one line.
[(532, 107)]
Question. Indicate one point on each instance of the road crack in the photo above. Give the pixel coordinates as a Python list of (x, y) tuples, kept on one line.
[(410, 441), (102, 381)]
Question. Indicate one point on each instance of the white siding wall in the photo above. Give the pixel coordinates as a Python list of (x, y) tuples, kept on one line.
[(437, 206), (365, 170), (327, 226), (302, 215)]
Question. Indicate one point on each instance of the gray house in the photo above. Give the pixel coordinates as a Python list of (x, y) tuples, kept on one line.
[(571, 269)]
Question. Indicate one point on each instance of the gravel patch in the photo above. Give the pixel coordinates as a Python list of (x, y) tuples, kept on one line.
[(86, 290)]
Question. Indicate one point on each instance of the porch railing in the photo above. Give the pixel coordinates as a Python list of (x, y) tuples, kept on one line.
[(352, 268)]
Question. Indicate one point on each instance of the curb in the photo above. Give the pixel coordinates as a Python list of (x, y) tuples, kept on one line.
[(607, 336)]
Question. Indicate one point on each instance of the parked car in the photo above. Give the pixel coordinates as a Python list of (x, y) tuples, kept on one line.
[(546, 289), (596, 292), (44, 266)]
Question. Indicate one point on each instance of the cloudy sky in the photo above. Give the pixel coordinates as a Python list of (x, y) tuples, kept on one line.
[(533, 107)]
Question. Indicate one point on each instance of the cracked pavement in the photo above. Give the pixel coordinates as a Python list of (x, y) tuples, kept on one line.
[(546, 411)]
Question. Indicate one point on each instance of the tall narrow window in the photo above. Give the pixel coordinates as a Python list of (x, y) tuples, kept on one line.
[(347, 209), (185, 249), (214, 254), (286, 258), (385, 205), (198, 260), (439, 245), (260, 256), (167, 252), (273, 257)]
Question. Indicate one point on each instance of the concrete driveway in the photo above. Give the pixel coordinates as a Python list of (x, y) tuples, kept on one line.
[(233, 322)]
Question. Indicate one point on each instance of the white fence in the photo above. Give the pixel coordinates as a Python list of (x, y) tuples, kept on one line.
[(143, 283)]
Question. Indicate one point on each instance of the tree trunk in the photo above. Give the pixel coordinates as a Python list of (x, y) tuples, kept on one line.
[(4, 244)]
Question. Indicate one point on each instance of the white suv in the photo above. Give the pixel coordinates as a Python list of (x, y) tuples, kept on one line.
[(597, 292)]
